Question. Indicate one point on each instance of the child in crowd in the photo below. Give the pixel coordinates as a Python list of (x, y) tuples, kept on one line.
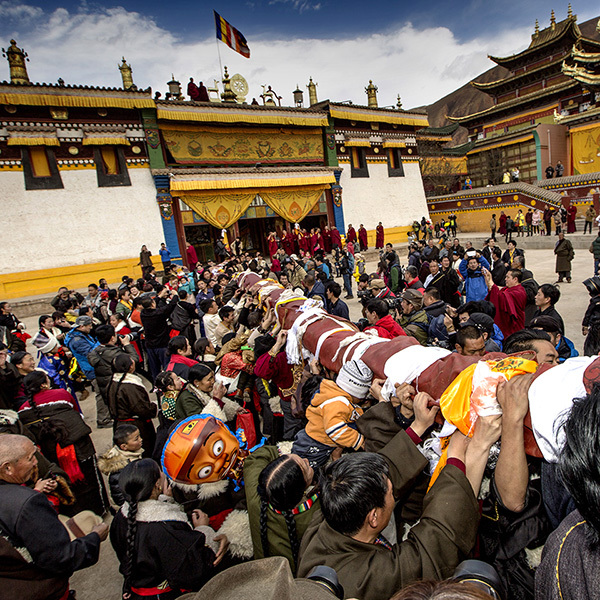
[(127, 447), (331, 414)]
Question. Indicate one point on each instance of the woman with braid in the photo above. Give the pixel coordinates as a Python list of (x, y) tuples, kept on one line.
[(162, 555), (282, 501), (129, 402)]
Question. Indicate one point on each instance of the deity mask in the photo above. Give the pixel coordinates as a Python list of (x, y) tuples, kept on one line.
[(201, 449)]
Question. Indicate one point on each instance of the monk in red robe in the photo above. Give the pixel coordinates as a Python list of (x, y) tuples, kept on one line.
[(288, 243), (273, 245), (336, 239), (571, 216), (502, 223), (379, 236), (303, 240), (509, 302), (362, 238), (192, 257), (351, 235), (326, 233)]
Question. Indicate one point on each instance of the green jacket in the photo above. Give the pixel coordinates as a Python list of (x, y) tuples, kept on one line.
[(595, 248), (277, 532), (444, 536), (417, 325)]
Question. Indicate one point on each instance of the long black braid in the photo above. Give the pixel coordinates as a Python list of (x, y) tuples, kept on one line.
[(137, 480), (120, 364), (129, 554), (293, 535), (281, 486)]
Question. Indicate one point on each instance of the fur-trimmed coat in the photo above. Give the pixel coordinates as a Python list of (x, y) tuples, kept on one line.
[(167, 549), (111, 464)]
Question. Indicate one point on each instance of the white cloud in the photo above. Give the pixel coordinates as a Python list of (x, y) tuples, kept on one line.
[(85, 47), (299, 5), (9, 10)]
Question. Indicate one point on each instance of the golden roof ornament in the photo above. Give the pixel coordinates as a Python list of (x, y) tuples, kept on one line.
[(570, 11), (312, 92), (536, 32), (228, 94), (552, 20), (126, 76), (399, 103), (371, 94), (16, 61)]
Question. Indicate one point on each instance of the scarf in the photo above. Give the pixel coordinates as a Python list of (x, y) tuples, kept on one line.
[(178, 359), (129, 378)]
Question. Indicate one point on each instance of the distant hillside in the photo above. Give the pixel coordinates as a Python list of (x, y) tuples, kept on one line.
[(467, 100)]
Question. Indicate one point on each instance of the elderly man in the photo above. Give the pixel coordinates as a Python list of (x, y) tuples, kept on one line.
[(37, 555)]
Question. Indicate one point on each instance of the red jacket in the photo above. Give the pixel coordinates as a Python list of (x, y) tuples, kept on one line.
[(387, 328)]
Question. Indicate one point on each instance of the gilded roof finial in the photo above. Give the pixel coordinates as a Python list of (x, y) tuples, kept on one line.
[(552, 20), (228, 94), (16, 60), (312, 92), (399, 103), (570, 11), (126, 75), (537, 28), (371, 94)]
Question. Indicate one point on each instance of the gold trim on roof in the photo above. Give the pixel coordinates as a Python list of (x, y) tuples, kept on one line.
[(523, 138), (193, 185), (65, 99), (394, 144), (239, 116), (209, 129), (356, 143), (375, 116), (33, 141), (106, 141)]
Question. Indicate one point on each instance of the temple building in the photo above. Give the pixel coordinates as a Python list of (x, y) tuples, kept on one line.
[(78, 197), (528, 124), (378, 175)]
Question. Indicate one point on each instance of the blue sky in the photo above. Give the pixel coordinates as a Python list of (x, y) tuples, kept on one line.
[(420, 51)]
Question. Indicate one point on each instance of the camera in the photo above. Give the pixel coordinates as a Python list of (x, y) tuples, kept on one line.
[(130, 337), (364, 296)]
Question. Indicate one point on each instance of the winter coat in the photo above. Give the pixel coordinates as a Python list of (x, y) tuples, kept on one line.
[(81, 344), (30, 522), (192, 401), (156, 327), (101, 359), (168, 552), (277, 531), (387, 328), (432, 549), (595, 248), (330, 414), (564, 255), (417, 325), (475, 286), (111, 464)]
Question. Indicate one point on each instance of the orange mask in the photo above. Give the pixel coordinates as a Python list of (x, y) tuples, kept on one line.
[(201, 449)]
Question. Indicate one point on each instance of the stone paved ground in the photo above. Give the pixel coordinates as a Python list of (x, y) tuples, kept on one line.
[(103, 582)]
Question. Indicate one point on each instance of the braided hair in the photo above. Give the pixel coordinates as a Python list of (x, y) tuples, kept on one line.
[(137, 480), (120, 364), (281, 485)]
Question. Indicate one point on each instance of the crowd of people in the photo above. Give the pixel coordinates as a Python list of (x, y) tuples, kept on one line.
[(336, 476)]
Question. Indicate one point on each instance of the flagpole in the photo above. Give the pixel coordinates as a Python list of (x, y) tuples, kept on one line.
[(219, 53)]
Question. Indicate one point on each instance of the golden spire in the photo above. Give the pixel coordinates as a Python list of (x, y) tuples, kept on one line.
[(371, 94), (552, 20), (312, 92), (570, 11), (399, 103), (228, 94), (16, 61), (126, 75), (537, 28)]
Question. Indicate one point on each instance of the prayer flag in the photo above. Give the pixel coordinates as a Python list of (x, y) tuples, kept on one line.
[(231, 36)]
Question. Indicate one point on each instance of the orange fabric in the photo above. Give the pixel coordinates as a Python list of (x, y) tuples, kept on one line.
[(109, 158)]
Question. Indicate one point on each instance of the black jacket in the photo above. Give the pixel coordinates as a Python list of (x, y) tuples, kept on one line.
[(155, 322), (101, 359), (28, 520)]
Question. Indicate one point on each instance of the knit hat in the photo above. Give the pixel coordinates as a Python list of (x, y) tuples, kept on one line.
[(82, 321), (414, 297), (355, 378)]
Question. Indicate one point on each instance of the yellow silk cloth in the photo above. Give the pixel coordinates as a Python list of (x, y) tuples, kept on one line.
[(586, 150), (455, 403), (223, 209)]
